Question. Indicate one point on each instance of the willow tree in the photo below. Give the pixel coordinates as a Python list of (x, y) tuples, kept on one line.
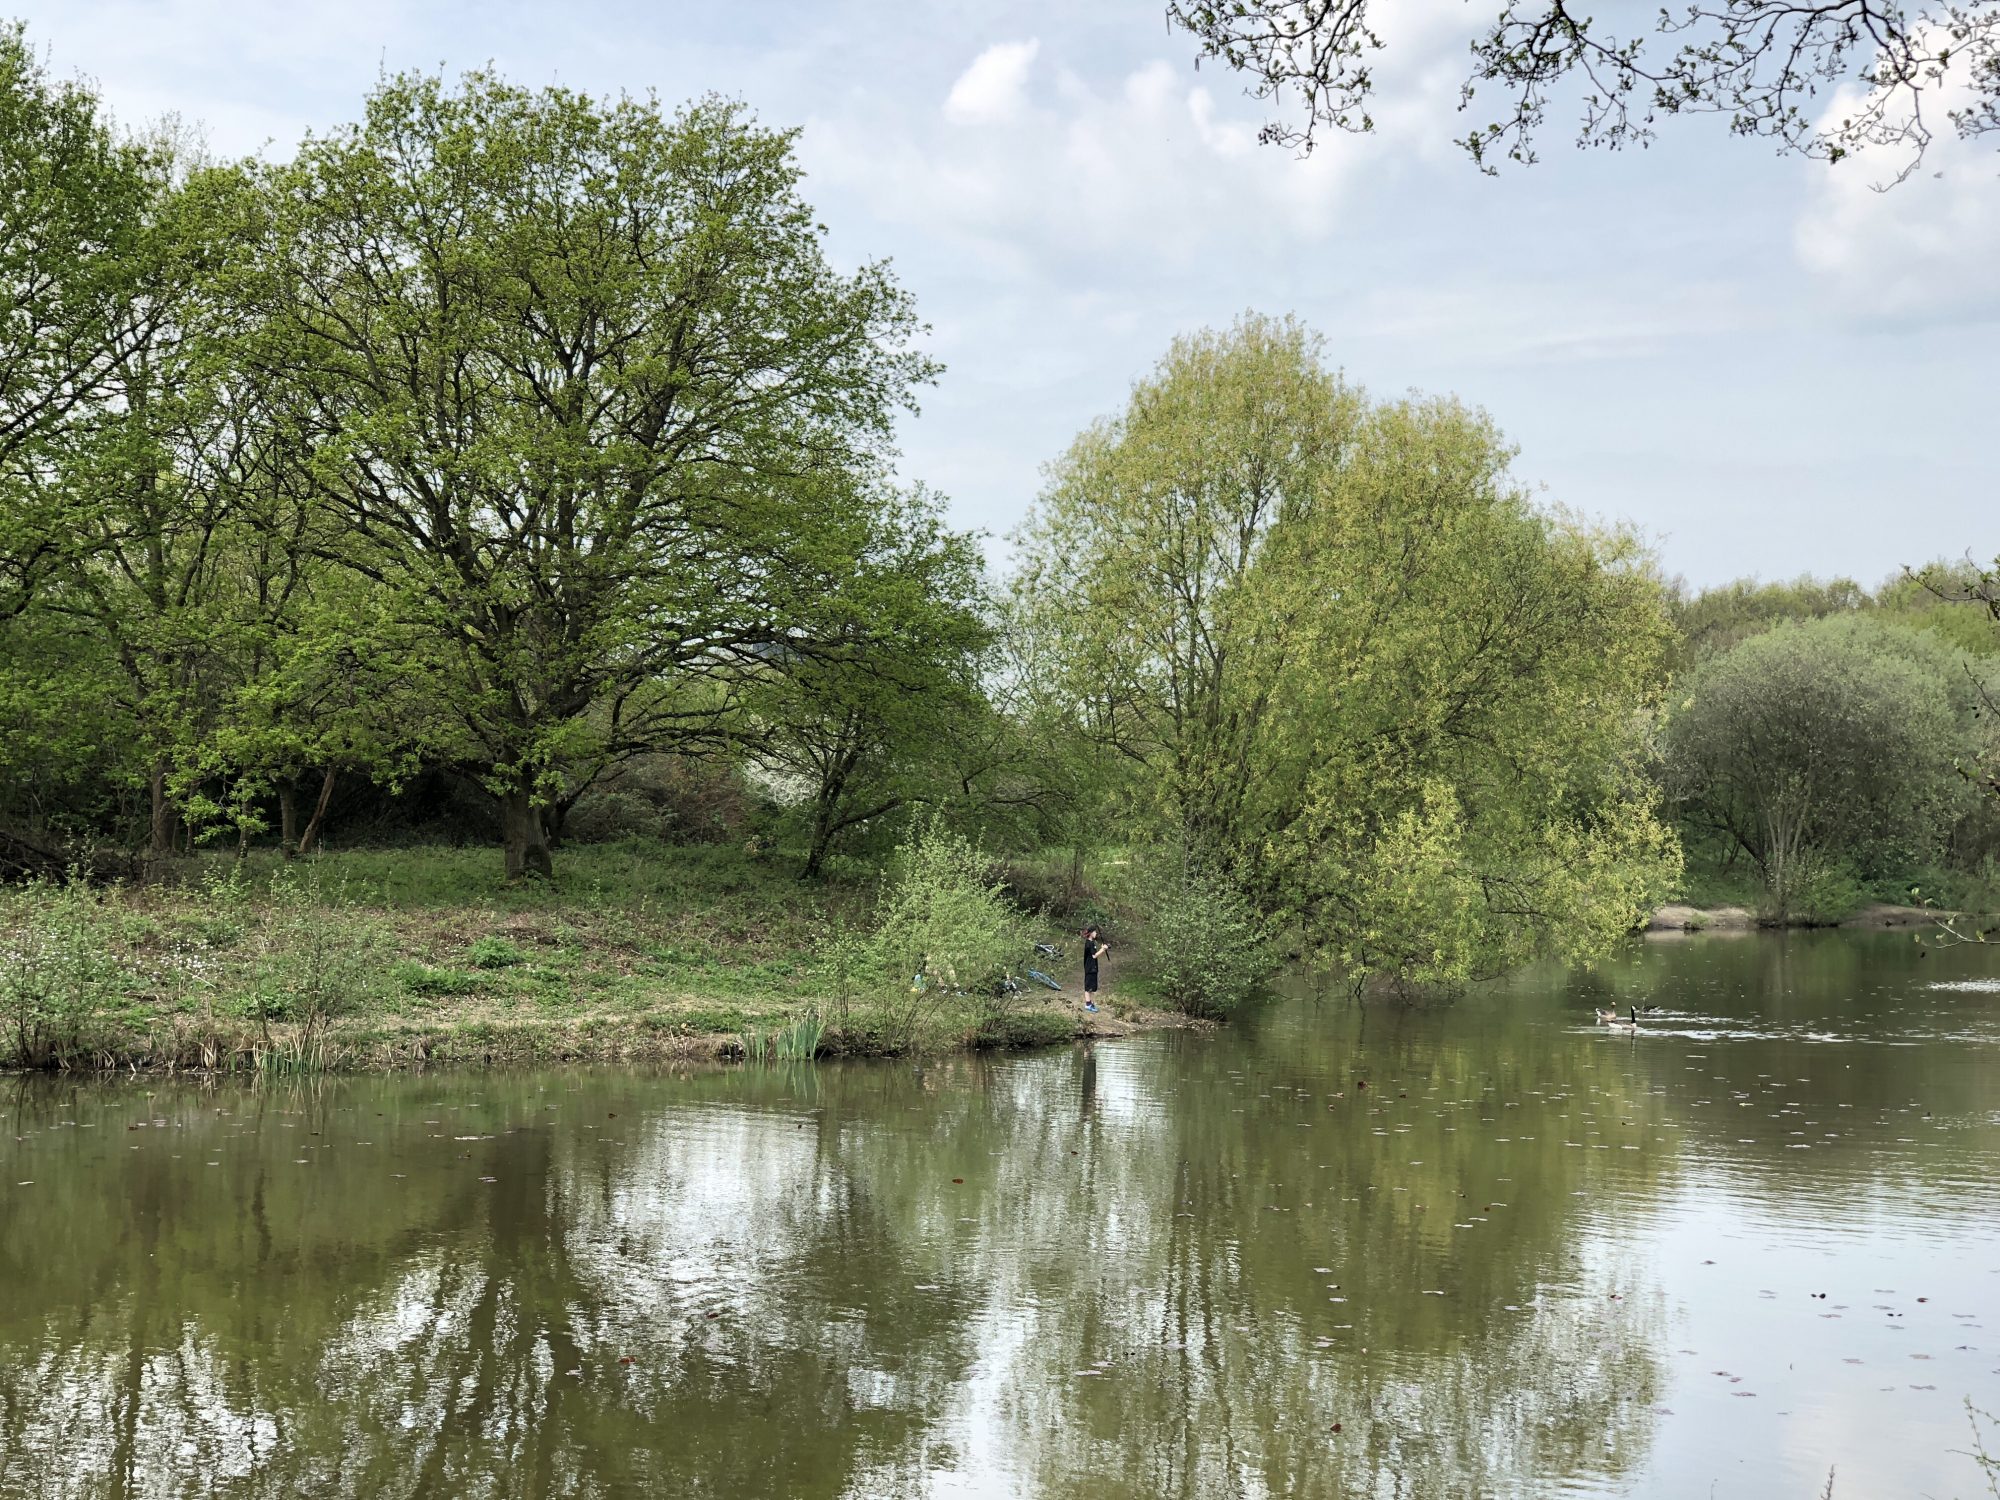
[(1351, 656), (1459, 685), (1136, 559), (571, 373)]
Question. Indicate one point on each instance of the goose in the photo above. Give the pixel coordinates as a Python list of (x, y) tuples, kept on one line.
[(1629, 1021)]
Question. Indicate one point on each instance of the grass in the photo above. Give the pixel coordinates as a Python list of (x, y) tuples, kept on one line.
[(1707, 885), (376, 958)]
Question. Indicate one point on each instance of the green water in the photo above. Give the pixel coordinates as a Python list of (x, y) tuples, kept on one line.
[(1531, 1257)]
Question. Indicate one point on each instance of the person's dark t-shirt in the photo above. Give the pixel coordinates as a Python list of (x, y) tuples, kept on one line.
[(1090, 947)]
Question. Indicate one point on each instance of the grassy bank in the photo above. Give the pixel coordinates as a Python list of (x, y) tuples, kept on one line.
[(389, 958), (1837, 897)]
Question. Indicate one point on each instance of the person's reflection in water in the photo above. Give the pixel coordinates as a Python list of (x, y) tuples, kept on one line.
[(1087, 1092)]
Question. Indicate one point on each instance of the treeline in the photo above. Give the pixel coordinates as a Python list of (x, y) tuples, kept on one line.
[(502, 435), (518, 439), (521, 463), (1826, 744)]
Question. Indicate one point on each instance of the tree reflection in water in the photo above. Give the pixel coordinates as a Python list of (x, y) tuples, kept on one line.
[(1327, 1252)]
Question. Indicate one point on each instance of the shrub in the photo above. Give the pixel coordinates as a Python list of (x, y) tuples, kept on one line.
[(944, 932), (1835, 743), (1812, 890), (1206, 943), (320, 958), (60, 987), (422, 979), (494, 953)]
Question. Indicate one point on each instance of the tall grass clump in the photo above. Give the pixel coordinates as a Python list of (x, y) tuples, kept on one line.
[(63, 992), (798, 1042), (1207, 945)]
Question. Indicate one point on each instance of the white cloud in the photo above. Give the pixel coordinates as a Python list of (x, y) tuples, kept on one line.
[(1140, 170), (993, 90), (1922, 249)]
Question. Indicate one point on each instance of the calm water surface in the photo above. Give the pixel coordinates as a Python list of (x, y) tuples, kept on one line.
[(1529, 1257)]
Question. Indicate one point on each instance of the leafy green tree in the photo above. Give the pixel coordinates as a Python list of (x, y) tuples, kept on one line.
[(72, 200), (1355, 661), (861, 712), (66, 755), (1715, 619), (574, 377), (162, 475), (1837, 740), (1135, 559), (1941, 597), (1036, 766), (1458, 683)]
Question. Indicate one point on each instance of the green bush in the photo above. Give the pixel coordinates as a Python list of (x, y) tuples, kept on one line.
[(1207, 946), (1828, 750), (320, 956), (1815, 891), (946, 941), (422, 979), (494, 953), (61, 990)]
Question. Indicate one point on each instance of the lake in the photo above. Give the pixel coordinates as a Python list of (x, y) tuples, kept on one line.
[(1489, 1248)]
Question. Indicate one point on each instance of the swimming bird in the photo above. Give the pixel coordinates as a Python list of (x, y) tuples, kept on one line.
[(1630, 1021)]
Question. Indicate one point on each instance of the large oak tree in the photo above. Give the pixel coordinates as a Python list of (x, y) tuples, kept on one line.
[(581, 382)]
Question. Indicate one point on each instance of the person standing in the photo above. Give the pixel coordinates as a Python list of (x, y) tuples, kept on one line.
[(1094, 948)]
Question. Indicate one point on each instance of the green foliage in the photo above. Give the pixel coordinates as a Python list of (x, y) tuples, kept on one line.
[(1819, 890), (676, 392), (73, 201), (1716, 619), (946, 940), (1206, 945), (422, 979), (862, 721), (1829, 745), (1348, 653), (62, 989), (798, 1042), (494, 953), (320, 958)]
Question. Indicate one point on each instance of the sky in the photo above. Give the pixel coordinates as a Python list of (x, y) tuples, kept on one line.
[(1763, 363)]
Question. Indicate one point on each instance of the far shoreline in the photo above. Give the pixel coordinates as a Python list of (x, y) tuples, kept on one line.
[(1678, 918)]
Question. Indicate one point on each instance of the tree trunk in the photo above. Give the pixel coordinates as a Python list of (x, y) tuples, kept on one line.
[(166, 818), (822, 840), (312, 827), (555, 818), (525, 837), (288, 817)]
